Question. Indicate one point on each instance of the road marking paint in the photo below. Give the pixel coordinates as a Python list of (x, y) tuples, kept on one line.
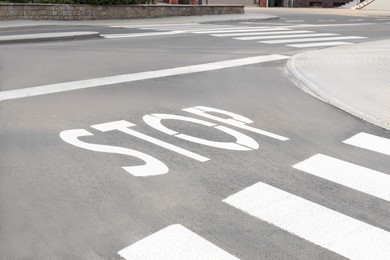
[(152, 166), (314, 39), (242, 143), (150, 25), (317, 44), (293, 36), (174, 242), (328, 25), (348, 174), (242, 30), (134, 35), (330, 20), (235, 120), (327, 228), (110, 80), (294, 21), (204, 29), (123, 126), (370, 142), (255, 34)]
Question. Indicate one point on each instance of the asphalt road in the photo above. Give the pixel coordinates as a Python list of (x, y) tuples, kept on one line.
[(63, 198)]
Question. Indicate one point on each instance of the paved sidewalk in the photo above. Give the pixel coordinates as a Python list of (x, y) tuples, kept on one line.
[(354, 78)]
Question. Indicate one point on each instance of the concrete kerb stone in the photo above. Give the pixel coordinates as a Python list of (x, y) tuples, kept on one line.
[(318, 89), (43, 37)]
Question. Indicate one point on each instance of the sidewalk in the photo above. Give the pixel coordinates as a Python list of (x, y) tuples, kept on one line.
[(354, 78)]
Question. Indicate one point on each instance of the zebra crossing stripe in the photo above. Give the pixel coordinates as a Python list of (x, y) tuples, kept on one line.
[(317, 44), (327, 228), (370, 142), (134, 35), (294, 36), (187, 28), (209, 28), (174, 242), (350, 175), (150, 25), (314, 39), (254, 35), (242, 30)]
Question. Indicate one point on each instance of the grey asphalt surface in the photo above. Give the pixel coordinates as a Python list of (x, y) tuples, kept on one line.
[(58, 201)]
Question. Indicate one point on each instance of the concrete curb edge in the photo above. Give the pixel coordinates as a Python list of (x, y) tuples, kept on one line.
[(310, 88)]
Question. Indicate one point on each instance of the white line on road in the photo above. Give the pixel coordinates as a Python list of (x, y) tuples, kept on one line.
[(174, 242), (327, 228), (293, 36), (294, 21), (203, 28), (151, 25), (317, 44), (104, 81), (370, 142), (328, 25), (253, 36), (350, 175), (243, 30), (314, 39), (133, 35)]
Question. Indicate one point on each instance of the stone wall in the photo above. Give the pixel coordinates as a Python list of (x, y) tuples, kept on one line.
[(320, 3), (92, 12), (227, 2)]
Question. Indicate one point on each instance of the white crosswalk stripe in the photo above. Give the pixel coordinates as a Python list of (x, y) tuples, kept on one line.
[(317, 44), (261, 29), (322, 226), (174, 242), (134, 35), (287, 33), (294, 36), (253, 36), (203, 30), (370, 142), (314, 39), (350, 175)]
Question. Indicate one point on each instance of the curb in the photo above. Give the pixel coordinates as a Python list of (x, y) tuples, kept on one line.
[(274, 18), (310, 88), (44, 37)]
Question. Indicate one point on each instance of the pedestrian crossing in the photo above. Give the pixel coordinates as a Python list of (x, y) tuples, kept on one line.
[(315, 223), (174, 242), (290, 36)]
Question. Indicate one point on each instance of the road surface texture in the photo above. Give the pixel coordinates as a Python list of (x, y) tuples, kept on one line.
[(187, 141)]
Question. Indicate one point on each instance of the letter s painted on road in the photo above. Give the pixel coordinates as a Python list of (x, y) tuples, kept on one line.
[(151, 167)]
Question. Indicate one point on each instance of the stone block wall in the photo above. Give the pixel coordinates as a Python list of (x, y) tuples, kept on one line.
[(233, 2), (320, 3), (92, 12)]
